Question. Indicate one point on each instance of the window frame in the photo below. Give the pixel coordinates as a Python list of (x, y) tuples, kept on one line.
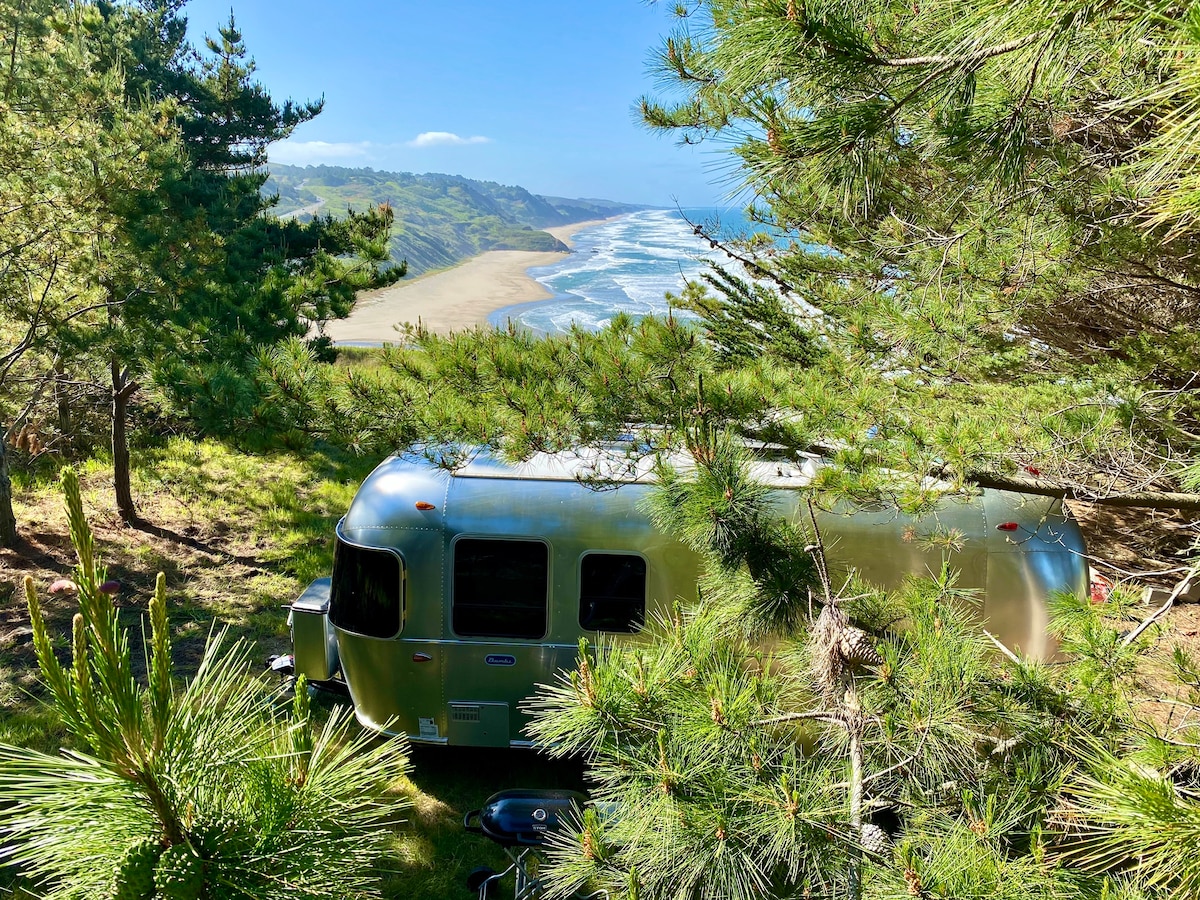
[(402, 611), (579, 589), (548, 596)]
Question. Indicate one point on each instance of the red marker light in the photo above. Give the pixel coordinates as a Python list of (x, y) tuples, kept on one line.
[(421, 657), (421, 504), (1007, 526)]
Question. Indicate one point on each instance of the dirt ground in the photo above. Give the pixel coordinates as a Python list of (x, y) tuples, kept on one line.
[(1147, 552)]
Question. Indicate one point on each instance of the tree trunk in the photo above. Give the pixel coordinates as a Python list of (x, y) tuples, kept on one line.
[(1140, 499), (122, 388), (62, 401), (8, 521)]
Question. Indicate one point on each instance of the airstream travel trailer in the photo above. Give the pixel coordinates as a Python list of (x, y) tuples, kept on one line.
[(455, 592)]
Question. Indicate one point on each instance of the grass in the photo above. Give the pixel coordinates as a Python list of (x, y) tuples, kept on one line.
[(361, 358), (238, 535)]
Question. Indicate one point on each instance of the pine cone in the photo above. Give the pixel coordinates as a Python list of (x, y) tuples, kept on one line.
[(874, 839), (179, 874), (913, 880), (133, 876), (826, 655), (219, 837), (857, 648)]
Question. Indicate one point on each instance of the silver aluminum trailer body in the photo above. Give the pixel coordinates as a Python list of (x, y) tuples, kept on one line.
[(454, 593)]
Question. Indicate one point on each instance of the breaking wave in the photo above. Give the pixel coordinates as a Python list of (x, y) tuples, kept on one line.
[(626, 265)]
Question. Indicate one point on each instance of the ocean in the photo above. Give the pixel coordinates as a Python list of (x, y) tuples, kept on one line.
[(627, 265)]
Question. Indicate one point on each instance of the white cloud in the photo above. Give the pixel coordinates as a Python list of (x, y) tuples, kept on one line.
[(445, 139), (302, 153)]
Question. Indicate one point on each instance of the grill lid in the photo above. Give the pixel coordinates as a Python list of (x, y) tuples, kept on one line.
[(521, 816)]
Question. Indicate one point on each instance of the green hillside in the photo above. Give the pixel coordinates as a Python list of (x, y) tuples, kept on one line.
[(440, 219)]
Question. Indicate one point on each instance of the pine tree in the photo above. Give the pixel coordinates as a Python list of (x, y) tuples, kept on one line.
[(202, 277), (1005, 191), (849, 757), (140, 262), (67, 142)]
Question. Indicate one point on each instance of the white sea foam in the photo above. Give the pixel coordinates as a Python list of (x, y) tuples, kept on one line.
[(649, 289), (626, 265)]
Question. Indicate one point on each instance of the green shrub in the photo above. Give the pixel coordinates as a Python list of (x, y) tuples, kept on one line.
[(202, 791)]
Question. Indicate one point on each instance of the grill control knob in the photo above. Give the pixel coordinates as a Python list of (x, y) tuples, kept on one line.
[(539, 815)]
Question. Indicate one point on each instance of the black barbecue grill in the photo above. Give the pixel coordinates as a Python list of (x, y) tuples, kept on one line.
[(519, 821)]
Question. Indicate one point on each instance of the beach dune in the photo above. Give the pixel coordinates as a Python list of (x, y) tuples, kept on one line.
[(450, 300)]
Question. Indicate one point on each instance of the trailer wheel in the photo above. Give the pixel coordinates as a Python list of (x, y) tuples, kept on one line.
[(476, 877)]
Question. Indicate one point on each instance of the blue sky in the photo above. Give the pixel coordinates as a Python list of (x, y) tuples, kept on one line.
[(527, 92)]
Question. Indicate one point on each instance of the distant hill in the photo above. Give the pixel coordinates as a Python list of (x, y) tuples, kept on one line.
[(440, 219)]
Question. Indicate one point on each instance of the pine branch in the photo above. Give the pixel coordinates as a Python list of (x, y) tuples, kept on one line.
[(752, 264), (855, 752), (1068, 491), (819, 715), (1000, 646), (35, 321), (160, 665), (1042, 487), (52, 670), (956, 62), (1180, 587)]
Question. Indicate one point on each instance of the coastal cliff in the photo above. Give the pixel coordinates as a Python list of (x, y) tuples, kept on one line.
[(440, 220)]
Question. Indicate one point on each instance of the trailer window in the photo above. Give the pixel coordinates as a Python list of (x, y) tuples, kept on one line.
[(612, 593), (366, 593), (500, 588)]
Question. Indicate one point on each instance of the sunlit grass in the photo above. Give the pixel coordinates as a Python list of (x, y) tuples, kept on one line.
[(240, 535)]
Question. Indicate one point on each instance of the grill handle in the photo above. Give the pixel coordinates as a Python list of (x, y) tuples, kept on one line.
[(474, 829)]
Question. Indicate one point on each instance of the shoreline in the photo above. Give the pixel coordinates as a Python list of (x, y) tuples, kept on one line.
[(453, 299)]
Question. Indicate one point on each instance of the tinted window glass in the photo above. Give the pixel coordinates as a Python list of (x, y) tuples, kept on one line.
[(612, 593), (500, 588), (365, 596)]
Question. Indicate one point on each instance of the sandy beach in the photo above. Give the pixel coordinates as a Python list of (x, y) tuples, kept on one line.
[(453, 299)]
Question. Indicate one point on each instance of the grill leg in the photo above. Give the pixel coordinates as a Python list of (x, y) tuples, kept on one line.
[(528, 884)]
